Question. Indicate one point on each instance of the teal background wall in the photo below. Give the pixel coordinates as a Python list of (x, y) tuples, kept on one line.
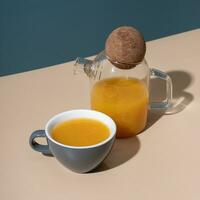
[(39, 33)]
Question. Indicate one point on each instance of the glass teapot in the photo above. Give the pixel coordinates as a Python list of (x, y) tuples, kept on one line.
[(123, 94)]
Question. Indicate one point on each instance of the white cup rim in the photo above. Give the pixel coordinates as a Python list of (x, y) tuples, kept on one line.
[(68, 112)]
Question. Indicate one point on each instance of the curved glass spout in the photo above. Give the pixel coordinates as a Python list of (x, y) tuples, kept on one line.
[(86, 66)]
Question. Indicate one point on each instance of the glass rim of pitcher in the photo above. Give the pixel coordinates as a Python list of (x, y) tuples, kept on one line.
[(122, 63)]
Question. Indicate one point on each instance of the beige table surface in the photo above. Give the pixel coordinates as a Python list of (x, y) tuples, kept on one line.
[(162, 163)]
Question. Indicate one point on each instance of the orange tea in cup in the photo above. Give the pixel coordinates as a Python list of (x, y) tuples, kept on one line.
[(80, 132)]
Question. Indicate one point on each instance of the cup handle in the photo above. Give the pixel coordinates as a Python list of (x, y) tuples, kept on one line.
[(36, 146), (167, 103)]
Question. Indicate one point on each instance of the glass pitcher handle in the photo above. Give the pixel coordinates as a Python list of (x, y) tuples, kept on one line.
[(167, 103)]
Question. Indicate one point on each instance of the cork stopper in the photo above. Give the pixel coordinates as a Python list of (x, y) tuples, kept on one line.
[(125, 47)]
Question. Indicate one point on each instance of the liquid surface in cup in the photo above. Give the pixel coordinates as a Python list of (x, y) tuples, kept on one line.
[(80, 132), (123, 99)]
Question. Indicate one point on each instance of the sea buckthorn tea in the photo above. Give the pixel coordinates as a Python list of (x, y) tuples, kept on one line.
[(80, 132)]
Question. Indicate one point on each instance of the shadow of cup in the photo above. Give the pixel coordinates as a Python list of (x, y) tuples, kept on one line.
[(123, 150)]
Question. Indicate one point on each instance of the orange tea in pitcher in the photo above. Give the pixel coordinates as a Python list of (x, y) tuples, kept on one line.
[(123, 99)]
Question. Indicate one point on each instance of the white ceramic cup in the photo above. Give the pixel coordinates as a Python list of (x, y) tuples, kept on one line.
[(79, 159)]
